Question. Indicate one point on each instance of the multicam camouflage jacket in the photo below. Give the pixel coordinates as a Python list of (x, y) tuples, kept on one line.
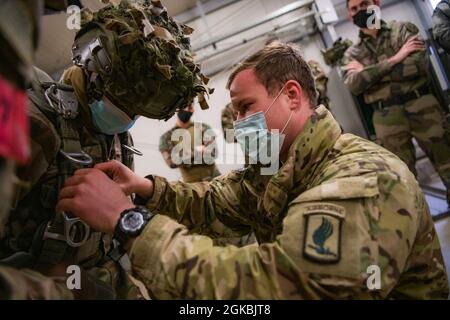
[(441, 24), (379, 80), (339, 208)]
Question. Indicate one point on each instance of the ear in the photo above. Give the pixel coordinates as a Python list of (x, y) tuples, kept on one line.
[(294, 93)]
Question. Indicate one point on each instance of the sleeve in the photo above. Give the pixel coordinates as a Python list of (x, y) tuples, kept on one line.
[(211, 208), (329, 248), (358, 82), (45, 144), (441, 25), (29, 285), (416, 64)]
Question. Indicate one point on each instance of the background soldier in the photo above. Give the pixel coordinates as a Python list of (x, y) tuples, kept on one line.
[(338, 205), (389, 67), (441, 24), (84, 120), (321, 81), (227, 119), (191, 171)]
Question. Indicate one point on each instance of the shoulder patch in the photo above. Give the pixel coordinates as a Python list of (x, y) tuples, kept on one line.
[(323, 233)]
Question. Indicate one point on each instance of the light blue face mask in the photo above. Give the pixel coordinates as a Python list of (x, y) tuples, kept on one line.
[(109, 119), (256, 141)]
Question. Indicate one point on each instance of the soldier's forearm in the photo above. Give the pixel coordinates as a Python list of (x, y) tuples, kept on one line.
[(358, 82), (172, 264), (195, 205)]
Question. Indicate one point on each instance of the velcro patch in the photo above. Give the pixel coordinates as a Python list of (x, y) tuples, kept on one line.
[(322, 236)]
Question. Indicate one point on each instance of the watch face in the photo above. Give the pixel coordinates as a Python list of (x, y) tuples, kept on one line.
[(132, 221)]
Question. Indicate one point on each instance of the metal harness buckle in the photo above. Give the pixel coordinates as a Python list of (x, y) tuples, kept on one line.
[(81, 158), (76, 232), (133, 150), (62, 99)]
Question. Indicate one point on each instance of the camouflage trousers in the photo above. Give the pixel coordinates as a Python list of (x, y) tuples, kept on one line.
[(423, 120)]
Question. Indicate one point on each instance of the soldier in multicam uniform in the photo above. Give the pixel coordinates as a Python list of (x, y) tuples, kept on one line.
[(205, 152), (389, 67), (321, 81), (122, 53), (338, 206), (441, 24)]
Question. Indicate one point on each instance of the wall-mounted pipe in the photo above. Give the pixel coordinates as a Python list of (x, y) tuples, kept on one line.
[(279, 13), (259, 35)]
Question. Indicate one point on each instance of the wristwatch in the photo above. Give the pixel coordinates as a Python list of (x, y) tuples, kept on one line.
[(131, 223)]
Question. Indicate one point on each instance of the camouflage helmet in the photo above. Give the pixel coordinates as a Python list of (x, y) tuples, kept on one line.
[(140, 58)]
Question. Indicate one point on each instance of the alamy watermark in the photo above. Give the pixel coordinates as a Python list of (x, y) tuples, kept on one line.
[(373, 281), (73, 281), (374, 22), (73, 21)]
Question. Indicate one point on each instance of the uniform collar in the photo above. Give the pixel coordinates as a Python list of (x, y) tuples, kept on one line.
[(384, 27), (306, 153)]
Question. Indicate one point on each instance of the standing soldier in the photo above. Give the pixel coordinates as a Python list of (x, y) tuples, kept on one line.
[(121, 54), (389, 67), (321, 81), (441, 24), (204, 169)]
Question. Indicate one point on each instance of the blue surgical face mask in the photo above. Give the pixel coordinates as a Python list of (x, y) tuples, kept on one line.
[(253, 136), (109, 119)]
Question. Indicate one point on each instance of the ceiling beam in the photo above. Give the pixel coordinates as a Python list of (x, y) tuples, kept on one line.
[(208, 7), (278, 13)]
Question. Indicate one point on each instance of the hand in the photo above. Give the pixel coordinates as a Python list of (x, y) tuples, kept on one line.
[(127, 179), (354, 66), (93, 197), (413, 44)]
